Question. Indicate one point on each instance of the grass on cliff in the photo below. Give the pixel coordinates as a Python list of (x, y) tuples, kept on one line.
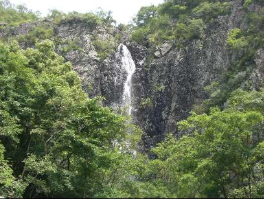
[(11, 15)]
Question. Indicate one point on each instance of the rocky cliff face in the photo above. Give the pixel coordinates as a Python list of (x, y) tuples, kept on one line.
[(100, 76), (165, 89)]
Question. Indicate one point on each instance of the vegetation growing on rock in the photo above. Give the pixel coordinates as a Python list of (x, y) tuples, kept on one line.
[(175, 20), (11, 15), (56, 142)]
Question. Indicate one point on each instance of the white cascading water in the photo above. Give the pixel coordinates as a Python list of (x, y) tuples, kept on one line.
[(129, 66)]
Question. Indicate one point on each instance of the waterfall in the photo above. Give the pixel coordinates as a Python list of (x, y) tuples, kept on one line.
[(129, 66), (126, 64)]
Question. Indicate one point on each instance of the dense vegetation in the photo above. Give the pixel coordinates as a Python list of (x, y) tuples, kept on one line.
[(176, 20), (55, 142), (11, 15), (221, 154)]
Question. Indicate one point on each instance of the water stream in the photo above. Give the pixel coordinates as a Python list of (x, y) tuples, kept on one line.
[(129, 66)]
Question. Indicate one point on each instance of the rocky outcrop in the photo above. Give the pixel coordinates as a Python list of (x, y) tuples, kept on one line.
[(164, 89), (163, 49), (94, 73), (173, 82), (99, 77)]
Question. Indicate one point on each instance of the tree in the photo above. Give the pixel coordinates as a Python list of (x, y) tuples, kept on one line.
[(145, 15), (14, 15), (60, 142), (221, 154)]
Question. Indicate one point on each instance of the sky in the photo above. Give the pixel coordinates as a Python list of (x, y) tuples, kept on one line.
[(122, 10)]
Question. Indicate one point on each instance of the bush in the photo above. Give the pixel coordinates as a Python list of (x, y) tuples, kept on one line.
[(103, 48), (248, 2), (39, 33), (208, 10), (56, 16), (140, 35), (145, 103), (236, 40), (193, 30), (145, 15), (14, 15), (159, 88), (172, 10), (72, 46)]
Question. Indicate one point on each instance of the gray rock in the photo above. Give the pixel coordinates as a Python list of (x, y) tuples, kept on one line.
[(183, 73), (174, 80), (259, 60), (157, 54), (166, 47), (163, 49)]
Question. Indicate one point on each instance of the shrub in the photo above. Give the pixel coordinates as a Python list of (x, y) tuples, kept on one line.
[(140, 35), (103, 48), (15, 15), (145, 15), (39, 33), (145, 103), (72, 45), (208, 10), (159, 88), (56, 16), (193, 30), (236, 40)]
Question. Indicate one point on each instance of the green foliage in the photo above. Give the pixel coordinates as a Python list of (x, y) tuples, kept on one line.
[(39, 33), (244, 43), (252, 38), (14, 15), (173, 10), (56, 16), (249, 2), (55, 142), (236, 40), (9, 187), (211, 10), (157, 30), (146, 103), (246, 101), (220, 156), (174, 20), (139, 35), (104, 48), (71, 46), (159, 88), (145, 15), (60, 143), (106, 16), (193, 30), (92, 20)]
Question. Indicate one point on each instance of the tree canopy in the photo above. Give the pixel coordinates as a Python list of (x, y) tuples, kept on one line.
[(14, 15), (56, 142)]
